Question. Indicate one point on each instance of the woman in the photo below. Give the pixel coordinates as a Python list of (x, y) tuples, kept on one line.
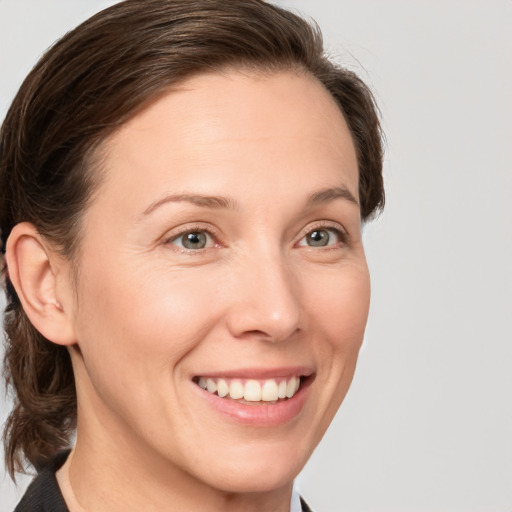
[(182, 190)]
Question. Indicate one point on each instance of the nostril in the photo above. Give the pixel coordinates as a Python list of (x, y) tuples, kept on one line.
[(254, 334), (272, 336)]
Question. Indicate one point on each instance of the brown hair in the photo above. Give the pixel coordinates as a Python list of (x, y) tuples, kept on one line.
[(89, 83)]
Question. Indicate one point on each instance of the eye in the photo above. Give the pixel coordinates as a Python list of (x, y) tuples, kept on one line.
[(193, 240), (322, 237)]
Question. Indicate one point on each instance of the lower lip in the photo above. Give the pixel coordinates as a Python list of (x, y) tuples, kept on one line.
[(264, 415)]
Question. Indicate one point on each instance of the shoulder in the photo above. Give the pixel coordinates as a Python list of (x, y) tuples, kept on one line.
[(43, 494)]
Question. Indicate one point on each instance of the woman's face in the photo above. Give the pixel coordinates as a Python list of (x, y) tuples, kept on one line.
[(223, 249)]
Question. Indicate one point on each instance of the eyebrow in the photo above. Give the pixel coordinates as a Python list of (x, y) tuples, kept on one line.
[(226, 202), (330, 194), (216, 202)]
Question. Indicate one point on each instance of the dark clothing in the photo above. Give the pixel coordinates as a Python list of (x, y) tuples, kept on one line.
[(43, 494), (305, 506)]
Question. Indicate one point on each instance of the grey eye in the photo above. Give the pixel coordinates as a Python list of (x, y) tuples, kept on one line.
[(318, 238), (322, 237), (192, 240)]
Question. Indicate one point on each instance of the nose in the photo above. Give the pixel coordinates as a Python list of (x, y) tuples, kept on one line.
[(266, 300)]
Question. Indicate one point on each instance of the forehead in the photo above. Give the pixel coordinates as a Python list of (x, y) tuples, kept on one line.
[(250, 128)]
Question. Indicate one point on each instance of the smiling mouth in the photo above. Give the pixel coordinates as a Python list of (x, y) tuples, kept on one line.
[(252, 391)]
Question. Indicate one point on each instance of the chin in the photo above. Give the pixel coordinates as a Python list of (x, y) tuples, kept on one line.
[(257, 467), (266, 476), (267, 469)]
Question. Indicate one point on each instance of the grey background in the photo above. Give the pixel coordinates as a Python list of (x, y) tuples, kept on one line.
[(427, 425)]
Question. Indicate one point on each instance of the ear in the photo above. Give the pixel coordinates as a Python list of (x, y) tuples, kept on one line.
[(38, 273)]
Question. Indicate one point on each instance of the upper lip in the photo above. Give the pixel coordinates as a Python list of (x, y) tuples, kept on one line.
[(260, 373)]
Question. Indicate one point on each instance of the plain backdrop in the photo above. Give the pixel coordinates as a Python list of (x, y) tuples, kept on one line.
[(427, 425)]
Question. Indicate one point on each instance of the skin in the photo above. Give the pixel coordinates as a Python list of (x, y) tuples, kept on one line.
[(148, 315)]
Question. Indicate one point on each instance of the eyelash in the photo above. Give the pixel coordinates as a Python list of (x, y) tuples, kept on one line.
[(190, 230), (326, 226), (319, 226)]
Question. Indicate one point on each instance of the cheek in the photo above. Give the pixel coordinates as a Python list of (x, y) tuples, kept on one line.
[(135, 329), (340, 307), (142, 319)]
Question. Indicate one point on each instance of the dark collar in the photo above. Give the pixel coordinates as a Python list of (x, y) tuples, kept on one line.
[(43, 494), (304, 505)]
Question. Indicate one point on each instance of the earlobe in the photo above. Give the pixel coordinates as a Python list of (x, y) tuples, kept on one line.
[(34, 271)]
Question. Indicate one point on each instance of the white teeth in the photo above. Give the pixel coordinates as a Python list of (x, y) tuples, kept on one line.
[(211, 386), (291, 387), (253, 390), (269, 391), (222, 388), (236, 389), (281, 389)]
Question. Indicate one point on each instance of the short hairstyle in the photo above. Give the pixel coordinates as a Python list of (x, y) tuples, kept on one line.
[(89, 83)]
